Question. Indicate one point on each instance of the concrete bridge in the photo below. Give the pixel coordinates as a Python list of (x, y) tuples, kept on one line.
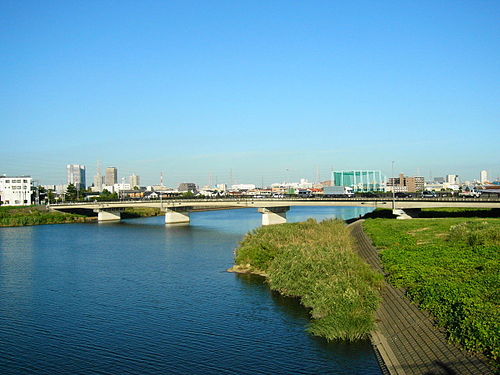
[(273, 209)]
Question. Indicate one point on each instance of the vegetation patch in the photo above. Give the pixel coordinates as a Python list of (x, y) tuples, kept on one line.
[(13, 216), (317, 263), (430, 213), (451, 269), (135, 212)]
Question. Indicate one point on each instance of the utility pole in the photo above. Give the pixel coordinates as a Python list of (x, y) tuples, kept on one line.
[(393, 192)]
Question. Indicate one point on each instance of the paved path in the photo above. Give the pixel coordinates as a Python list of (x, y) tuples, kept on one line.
[(406, 338)]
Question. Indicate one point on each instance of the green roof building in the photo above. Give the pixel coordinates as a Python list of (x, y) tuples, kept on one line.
[(359, 180)]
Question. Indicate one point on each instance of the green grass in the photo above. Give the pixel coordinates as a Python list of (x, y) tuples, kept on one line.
[(12, 216), (317, 263), (386, 213), (450, 267)]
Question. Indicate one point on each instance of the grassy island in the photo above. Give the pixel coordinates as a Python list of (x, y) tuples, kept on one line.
[(317, 263), (13, 216), (450, 267)]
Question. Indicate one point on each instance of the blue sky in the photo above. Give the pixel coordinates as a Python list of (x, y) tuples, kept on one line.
[(268, 90)]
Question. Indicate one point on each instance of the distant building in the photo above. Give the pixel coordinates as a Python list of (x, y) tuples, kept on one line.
[(98, 182), (359, 180), (221, 187), (302, 184), (122, 186), (439, 180), (243, 187), (484, 177), (158, 188), (187, 186), (405, 184), (452, 179), (135, 181), (434, 186), (111, 176), (16, 190), (76, 175)]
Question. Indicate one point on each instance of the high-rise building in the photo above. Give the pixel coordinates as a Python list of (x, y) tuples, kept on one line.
[(98, 182), (76, 175), (484, 176), (135, 181), (358, 180), (111, 176)]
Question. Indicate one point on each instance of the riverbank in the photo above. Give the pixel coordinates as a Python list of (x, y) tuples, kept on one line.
[(434, 213), (37, 215), (449, 267), (16, 216), (406, 337), (317, 263)]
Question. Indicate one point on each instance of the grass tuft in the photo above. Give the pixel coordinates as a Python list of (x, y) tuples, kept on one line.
[(317, 263), (12, 216)]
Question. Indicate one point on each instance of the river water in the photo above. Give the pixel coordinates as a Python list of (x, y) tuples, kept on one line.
[(139, 297)]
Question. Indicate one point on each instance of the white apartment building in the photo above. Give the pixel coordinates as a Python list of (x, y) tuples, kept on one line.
[(484, 176), (452, 179), (243, 187), (15, 190)]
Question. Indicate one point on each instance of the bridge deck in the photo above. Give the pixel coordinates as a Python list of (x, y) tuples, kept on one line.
[(270, 202), (407, 339)]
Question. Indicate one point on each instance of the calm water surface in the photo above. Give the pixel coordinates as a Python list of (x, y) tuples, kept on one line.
[(139, 297)]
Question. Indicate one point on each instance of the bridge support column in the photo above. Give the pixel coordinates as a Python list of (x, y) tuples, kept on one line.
[(407, 213), (108, 215), (178, 215), (273, 215)]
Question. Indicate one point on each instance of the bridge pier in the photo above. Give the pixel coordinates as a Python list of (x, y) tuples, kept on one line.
[(273, 215), (407, 213), (178, 215), (108, 215)]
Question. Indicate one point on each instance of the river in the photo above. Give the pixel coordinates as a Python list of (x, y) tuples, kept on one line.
[(139, 297)]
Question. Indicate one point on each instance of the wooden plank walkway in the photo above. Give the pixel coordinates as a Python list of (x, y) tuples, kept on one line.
[(406, 338)]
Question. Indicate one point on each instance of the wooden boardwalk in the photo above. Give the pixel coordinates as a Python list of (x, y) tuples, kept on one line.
[(406, 338)]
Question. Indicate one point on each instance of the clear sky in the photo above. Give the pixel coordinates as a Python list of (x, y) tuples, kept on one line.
[(260, 90)]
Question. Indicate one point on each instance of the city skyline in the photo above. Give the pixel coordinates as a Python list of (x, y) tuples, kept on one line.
[(231, 178), (258, 92)]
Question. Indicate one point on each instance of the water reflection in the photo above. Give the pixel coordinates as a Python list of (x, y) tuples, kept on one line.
[(349, 356), (16, 264)]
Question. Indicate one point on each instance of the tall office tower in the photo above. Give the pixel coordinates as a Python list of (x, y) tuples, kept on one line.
[(98, 182), (76, 175), (135, 181), (484, 176), (111, 176)]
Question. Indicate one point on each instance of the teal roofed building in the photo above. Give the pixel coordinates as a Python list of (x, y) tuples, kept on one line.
[(359, 180)]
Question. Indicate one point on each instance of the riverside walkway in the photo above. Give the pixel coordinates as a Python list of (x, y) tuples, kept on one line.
[(406, 338)]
